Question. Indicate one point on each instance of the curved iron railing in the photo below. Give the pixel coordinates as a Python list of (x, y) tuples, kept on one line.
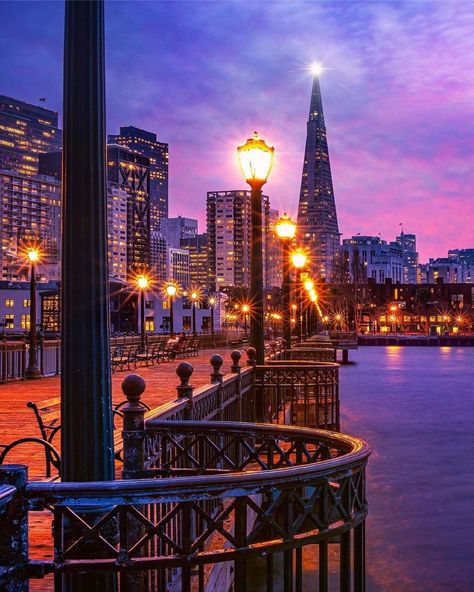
[(251, 491)]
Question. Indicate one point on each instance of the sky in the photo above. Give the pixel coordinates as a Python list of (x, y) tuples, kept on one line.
[(398, 96)]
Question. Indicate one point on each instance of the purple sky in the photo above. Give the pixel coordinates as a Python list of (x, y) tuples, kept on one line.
[(398, 99)]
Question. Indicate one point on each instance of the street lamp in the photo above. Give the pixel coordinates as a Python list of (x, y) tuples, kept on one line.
[(171, 290), (32, 370), (299, 259), (286, 230), (245, 310), (256, 159), (194, 299), (143, 283), (212, 303)]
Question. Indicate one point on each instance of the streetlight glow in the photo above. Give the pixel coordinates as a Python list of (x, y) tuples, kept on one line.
[(143, 282), (285, 227), (245, 308), (308, 285), (298, 259), (33, 255), (212, 301), (171, 290), (256, 160)]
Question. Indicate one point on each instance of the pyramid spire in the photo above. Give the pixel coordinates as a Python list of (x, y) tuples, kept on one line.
[(317, 217)]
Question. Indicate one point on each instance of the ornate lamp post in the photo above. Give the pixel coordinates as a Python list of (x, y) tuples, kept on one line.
[(32, 370), (299, 258), (171, 290), (286, 230), (143, 283), (256, 159)]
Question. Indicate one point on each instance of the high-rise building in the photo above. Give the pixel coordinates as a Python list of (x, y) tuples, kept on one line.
[(158, 256), (197, 247), (317, 219), (177, 267), (25, 132), (174, 229), (274, 258), (129, 171), (30, 207), (229, 223), (411, 273), (117, 231), (145, 143)]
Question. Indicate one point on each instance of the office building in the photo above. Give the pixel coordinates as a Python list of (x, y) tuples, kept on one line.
[(411, 273), (370, 257), (145, 143), (317, 219), (175, 229), (25, 132), (30, 208), (129, 171), (274, 258), (177, 266), (117, 231), (197, 247), (230, 239)]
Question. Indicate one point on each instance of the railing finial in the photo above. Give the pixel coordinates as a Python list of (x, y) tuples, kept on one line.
[(133, 386), (216, 363), (251, 356), (184, 371), (235, 355)]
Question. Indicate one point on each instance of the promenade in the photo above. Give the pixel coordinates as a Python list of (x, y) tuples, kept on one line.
[(18, 420)]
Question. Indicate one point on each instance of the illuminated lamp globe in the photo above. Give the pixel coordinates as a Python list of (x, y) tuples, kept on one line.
[(143, 282), (245, 308), (33, 255), (298, 259), (285, 228), (212, 301), (308, 285), (171, 290), (256, 160)]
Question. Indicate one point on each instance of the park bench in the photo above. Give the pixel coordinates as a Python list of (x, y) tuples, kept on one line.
[(124, 356), (48, 417)]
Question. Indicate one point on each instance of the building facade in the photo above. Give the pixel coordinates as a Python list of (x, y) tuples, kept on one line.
[(145, 143), (274, 252), (177, 266), (370, 257), (174, 229), (197, 247), (30, 208), (229, 226), (25, 132), (117, 231), (317, 219)]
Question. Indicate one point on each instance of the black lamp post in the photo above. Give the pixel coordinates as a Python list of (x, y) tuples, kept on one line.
[(299, 259), (256, 159), (286, 230), (245, 311), (32, 370), (171, 290), (194, 300), (142, 283), (212, 303)]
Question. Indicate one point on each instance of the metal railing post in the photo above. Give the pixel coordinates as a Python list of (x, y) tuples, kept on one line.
[(185, 390), (14, 530), (216, 378), (133, 432), (235, 369)]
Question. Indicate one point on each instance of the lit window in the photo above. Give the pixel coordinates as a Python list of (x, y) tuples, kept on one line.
[(25, 321), (9, 303)]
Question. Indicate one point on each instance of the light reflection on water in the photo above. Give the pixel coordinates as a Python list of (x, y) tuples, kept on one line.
[(415, 406)]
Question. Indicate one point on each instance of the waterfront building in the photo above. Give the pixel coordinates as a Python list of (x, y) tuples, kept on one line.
[(464, 256), (365, 257), (411, 274), (158, 256), (25, 132), (197, 247), (174, 229), (145, 143), (129, 171), (30, 207), (117, 199), (229, 235), (317, 218), (451, 270)]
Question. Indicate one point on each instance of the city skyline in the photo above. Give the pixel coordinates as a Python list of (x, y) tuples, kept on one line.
[(397, 100)]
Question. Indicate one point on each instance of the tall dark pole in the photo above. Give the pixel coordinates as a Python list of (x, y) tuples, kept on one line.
[(32, 371), (300, 308), (194, 319), (213, 333), (142, 320), (286, 289), (257, 339), (87, 449), (171, 315)]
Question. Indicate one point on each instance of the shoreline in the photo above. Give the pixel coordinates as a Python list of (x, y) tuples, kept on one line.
[(417, 340)]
